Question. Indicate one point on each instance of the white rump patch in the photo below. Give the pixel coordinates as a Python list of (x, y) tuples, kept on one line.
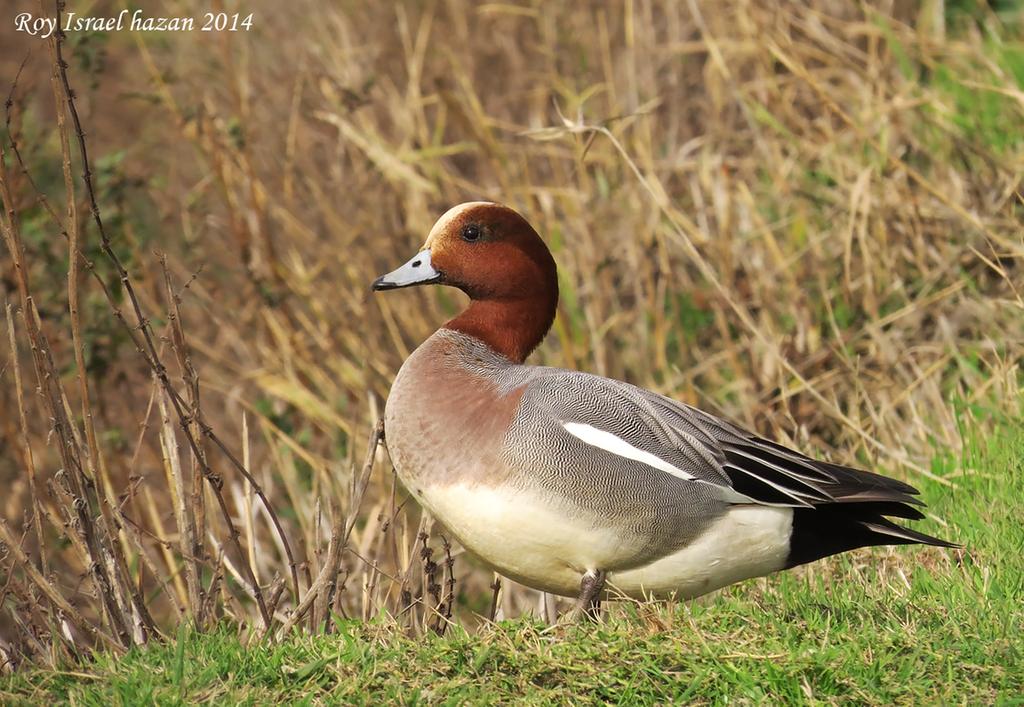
[(618, 446)]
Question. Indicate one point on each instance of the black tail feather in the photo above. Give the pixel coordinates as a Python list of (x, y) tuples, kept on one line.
[(830, 529)]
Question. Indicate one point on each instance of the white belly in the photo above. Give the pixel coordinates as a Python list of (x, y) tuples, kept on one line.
[(748, 541), (522, 537), (528, 539)]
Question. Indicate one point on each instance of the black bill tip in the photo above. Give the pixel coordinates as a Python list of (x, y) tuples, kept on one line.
[(381, 284)]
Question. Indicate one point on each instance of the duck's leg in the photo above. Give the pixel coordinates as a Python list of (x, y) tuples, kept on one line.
[(588, 603)]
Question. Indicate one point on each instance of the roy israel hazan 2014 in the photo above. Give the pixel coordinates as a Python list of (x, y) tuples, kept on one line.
[(135, 21)]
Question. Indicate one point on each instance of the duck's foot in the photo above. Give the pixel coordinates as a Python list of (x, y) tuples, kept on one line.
[(588, 603)]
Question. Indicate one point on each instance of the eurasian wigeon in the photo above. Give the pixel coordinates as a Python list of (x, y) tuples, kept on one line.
[(564, 480)]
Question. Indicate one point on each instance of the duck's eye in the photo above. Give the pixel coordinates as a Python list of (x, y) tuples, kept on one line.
[(472, 232)]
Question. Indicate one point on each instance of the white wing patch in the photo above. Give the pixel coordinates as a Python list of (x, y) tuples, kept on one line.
[(618, 446)]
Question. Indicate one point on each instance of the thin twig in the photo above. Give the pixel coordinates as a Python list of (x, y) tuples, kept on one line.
[(30, 463), (145, 344), (342, 529)]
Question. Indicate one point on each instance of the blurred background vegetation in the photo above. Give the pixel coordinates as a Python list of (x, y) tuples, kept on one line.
[(804, 216)]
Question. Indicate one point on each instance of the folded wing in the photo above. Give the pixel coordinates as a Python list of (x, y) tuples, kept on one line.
[(835, 507)]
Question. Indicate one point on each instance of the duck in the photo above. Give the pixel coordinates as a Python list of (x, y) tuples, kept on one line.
[(588, 487)]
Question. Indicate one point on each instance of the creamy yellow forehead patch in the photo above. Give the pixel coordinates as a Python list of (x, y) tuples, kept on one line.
[(451, 216)]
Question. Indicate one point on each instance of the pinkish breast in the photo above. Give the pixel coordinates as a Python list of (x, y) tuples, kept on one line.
[(447, 415)]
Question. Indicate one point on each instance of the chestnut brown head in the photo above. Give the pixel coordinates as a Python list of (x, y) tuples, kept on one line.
[(486, 250), (492, 254)]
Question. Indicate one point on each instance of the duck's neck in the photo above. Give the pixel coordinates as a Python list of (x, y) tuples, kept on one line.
[(511, 327)]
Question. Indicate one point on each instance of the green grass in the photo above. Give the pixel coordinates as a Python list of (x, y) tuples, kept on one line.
[(908, 626)]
